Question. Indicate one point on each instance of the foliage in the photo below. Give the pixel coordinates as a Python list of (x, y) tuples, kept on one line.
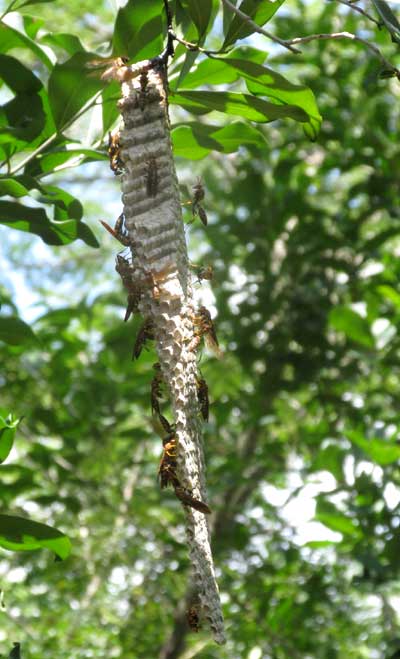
[(303, 237)]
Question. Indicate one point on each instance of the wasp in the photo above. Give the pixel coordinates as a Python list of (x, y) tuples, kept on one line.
[(197, 208), (114, 153), (204, 327), (193, 619), (119, 231), (187, 499), (203, 272), (199, 192), (202, 215), (157, 278), (167, 473), (202, 397), (142, 96), (151, 177), (145, 333), (167, 468), (111, 64), (135, 292), (156, 392)]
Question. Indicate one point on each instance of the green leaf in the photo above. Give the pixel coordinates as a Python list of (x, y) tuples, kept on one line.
[(259, 12), (244, 105), (264, 81), (68, 42), (17, 77), (11, 38), (32, 25), (12, 187), (195, 140), (25, 3), (110, 95), (35, 220), (200, 13), (138, 29), (70, 88), (59, 158), (330, 516), (8, 427), (19, 534), (22, 118), (188, 56), (388, 18), (215, 71), (390, 294), (14, 331), (352, 325), (331, 459), (66, 206), (320, 544), (381, 451)]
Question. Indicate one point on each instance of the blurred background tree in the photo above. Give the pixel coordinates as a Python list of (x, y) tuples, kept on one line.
[(302, 444)]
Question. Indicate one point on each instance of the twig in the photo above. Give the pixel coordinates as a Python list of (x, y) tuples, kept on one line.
[(353, 37), (257, 28), (195, 46), (348, 3)]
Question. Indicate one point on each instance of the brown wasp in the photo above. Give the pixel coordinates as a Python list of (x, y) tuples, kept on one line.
[(193, 619), (197, 209), (145, 333), (135, 291), (187, 499), (119, 231), (111, 64), (151, 176), (114, 153), (199, 192), (167, 468), (203, 272), (142, 96), (202, 215), (204, 327), (167, 472), (156, 392), (202, 397), (157, 278)]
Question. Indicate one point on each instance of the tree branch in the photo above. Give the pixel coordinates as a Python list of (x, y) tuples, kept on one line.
[(257, 28), (351, 5), (352, 37)]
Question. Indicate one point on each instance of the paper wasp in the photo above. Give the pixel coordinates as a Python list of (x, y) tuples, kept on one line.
[(114, 153), (202, 397), (167, 471), (142, 96), (187, 499), (199, 192), (197, 209), (203, 271), (135, 291), (119, 231), (151, 176), (204, 327), (145, 333), (157, 278), (156, 392), (193, 619), (111, 64)]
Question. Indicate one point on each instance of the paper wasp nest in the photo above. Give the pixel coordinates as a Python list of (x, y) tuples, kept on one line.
[(160, 272)]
